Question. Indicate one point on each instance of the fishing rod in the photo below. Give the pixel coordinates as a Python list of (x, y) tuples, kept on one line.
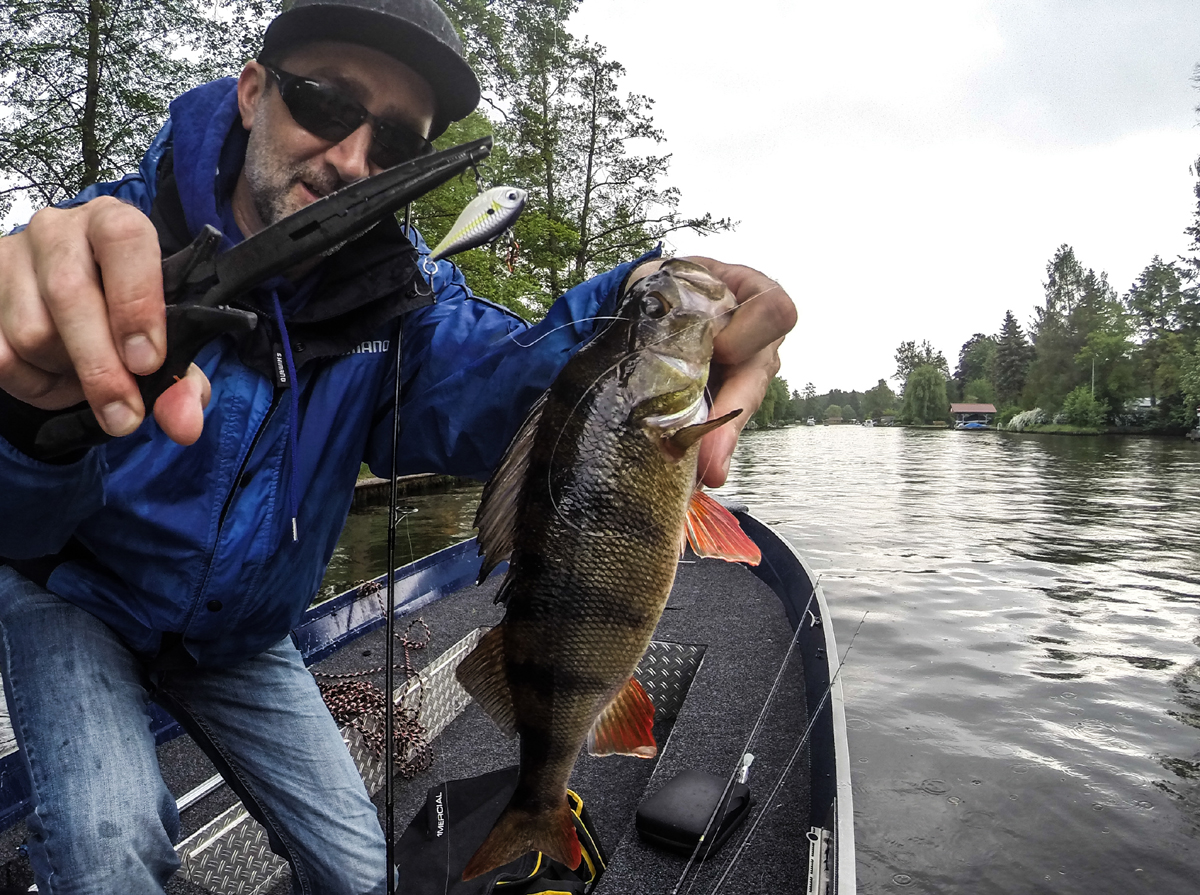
[(475, 227), (791, 761), (389, 650)]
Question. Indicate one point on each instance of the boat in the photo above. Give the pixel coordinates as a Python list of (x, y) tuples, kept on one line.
[(717, 653), (810, 422)]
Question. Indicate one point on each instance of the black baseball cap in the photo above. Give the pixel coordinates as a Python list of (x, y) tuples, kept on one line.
[(416, 32)]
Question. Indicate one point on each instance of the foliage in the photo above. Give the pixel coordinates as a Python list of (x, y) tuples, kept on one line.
[(87, 83), (976, 362), (775, 407), (1012, 359), (833, 412), (909, 356), (1189, 380), (565, 134), (1023, 421), (1082, 409), (878, 401), (925, 395), (979, 391)]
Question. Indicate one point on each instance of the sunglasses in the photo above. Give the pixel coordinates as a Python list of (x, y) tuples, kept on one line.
[(326, 112)]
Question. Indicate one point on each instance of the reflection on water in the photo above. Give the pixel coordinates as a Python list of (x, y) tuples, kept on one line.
[(434, 521), (1033, 647)]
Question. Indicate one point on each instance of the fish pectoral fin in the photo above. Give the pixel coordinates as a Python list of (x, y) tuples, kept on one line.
[(714, 532), (689, 435), (625, 726), (482, 674)]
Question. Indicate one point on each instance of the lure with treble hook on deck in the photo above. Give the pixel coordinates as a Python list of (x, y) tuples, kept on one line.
[(487, 216)]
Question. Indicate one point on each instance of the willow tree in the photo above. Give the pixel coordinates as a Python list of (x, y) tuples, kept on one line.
[(87, 82), (925, 395)]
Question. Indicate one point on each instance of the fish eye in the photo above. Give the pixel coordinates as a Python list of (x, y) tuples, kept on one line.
[(653, 305), (512, 196)]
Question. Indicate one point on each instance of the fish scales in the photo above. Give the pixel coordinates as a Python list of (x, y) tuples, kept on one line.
[(594, 497)]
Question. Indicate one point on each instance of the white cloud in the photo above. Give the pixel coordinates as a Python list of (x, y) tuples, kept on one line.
[(907, 170)]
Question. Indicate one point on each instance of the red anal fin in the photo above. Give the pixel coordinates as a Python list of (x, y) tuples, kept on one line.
[(714, 532), (624, 727)]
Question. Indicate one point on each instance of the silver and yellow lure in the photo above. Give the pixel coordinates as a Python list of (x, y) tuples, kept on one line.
[(487, 216)]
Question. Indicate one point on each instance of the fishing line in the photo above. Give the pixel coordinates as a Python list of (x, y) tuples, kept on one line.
[(762, 714), (791, 761)]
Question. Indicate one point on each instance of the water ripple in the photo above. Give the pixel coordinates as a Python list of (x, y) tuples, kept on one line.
[(1033, 647)]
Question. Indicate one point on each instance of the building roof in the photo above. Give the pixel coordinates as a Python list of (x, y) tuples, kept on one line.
[(972, 408)]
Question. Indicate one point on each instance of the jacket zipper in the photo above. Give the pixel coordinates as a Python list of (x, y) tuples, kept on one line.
[(237, 479)]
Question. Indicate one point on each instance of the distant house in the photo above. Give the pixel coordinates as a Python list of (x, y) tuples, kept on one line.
[(972, 416)]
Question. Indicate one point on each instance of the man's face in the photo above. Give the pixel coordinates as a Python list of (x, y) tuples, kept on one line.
[(287, 167)]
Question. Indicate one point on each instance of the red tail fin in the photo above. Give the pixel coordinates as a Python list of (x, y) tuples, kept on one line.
[(713, 531), (519, 831)]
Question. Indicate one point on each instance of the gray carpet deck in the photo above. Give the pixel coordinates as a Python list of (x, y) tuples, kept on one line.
[(745, 632)]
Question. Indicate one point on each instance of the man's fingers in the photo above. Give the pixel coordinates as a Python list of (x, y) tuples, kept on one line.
[(765, 311), (33, 385), (69, 283), (125, 246), (179, 410)]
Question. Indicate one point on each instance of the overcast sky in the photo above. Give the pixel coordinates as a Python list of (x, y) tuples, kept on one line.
[(907, 169)]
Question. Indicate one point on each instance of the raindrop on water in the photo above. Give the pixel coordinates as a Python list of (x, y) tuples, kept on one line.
[(902, 879)]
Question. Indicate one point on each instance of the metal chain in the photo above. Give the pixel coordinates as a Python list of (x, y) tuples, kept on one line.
[(361, 704)]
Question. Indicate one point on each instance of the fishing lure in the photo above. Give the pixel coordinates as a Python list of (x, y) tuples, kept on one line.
[(487, 216)]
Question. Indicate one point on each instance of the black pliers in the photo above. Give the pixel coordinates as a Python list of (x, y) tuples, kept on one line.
[(199, 284)]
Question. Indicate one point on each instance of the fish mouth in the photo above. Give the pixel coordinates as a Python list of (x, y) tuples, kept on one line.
[(696, 412)]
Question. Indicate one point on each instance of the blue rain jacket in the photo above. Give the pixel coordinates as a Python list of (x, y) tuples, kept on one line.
[(197, 540)]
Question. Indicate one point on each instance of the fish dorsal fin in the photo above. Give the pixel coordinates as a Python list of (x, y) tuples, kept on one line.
[(624, 727), (714, 532), (497, 515), (483, 675), (689, 435)]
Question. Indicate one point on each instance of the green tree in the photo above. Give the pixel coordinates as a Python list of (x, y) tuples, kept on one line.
[(979, 391), (833, 412), (1082, 409), (976, 360), (878, 401), (774, 404), (909, 356), (1078, 303), (566, 135), (87, 82), (1189, 380), (925, 395), (1013, 355)]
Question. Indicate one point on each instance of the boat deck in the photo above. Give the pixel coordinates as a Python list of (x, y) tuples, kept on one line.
[(743, 631)]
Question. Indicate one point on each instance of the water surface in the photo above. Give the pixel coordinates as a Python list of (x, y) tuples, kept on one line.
[(1024, 695)]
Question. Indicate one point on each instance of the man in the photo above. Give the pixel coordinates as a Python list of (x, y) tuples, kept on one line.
[(172, 562)]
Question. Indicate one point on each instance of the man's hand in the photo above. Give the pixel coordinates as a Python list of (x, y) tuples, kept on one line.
[(745, 357), (81, 311)]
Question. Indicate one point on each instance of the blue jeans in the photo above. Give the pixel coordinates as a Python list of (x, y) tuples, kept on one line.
[(105, 822)]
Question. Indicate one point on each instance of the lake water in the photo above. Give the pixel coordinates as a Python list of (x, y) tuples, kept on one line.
[(1023, 696)]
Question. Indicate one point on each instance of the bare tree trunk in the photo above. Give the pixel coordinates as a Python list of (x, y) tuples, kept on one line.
[(588, 182), (90, 143), (547, 153)]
